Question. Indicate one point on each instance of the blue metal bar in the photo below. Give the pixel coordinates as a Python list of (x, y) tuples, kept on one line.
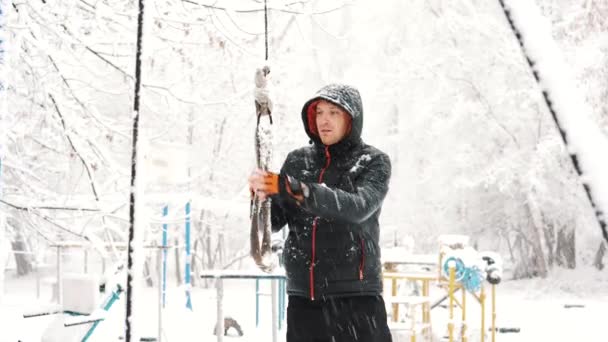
[(257, 302), (281, 302)]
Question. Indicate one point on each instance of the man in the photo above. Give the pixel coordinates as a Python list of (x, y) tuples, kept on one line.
[(330, 194)]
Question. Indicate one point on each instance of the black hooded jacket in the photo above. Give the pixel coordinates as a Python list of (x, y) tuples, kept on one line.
[(332, 247)]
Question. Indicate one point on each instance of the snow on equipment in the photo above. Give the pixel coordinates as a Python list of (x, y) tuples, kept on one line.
[(463, 268), (493, 267), (460, 274), (81, 312), (87, 301)]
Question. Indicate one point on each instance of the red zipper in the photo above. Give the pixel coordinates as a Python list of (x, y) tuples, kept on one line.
[(314, 230), (312, 262), (327, 161), (362, 263)]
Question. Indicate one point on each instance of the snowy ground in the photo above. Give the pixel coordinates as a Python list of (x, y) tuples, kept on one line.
[(534, 306)]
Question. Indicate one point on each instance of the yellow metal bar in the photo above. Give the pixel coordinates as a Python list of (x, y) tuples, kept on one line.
[(493, 313), (458, 304), (426, 311), (451, 294), (395, 305), (482, 301), (477, 297), (463, 329), (413, 322)]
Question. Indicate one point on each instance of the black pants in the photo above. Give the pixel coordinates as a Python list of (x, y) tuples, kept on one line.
[(360, 319)]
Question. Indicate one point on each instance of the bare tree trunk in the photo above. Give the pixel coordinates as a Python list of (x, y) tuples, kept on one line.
[(147, 274), (549, 232), (531, 262), (599, 256), (218, 254), (200, 239), (208, 245), (22, 259), (510, 245), (178, 270), (522, 269), (538, 255), (566, 252), (195, 269), (221, 248)]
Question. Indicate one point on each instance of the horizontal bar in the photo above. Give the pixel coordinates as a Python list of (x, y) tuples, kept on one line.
[(91, 320), (411, 275), (221, 274), (117, 246), (38, 314)]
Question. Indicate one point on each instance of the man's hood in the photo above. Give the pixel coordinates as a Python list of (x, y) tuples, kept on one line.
[(348, 98)]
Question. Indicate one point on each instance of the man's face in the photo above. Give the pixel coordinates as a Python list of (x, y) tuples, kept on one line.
[(332, 122)]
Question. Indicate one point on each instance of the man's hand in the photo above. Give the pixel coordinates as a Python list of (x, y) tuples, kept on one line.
[(263, 183)]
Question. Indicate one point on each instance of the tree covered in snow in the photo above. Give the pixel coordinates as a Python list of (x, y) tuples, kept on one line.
[(445, 90)]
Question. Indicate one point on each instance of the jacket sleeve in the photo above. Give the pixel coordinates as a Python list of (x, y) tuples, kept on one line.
[(278, 210), (371, 187), (277, 214)]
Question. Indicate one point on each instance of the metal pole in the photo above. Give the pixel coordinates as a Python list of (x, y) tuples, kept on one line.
[(426, 310), (257, 302), (451, 288), (86, 261), (281, 302), (59, 285), (164, 257), (275, 313), (133, 189), (37, 280), (188, 257), (161, 296), (220, 314), (482, 298), (395, 305), (463, 329), (493, 313)]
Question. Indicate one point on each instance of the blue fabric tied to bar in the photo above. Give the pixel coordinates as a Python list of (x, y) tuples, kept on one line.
[(470, 277)]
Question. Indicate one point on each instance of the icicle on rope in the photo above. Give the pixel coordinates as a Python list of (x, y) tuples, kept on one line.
[(573, 156)]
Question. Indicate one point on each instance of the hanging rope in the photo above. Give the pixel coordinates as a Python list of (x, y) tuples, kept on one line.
[(260, 77), (266, 30), (573, 157)]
